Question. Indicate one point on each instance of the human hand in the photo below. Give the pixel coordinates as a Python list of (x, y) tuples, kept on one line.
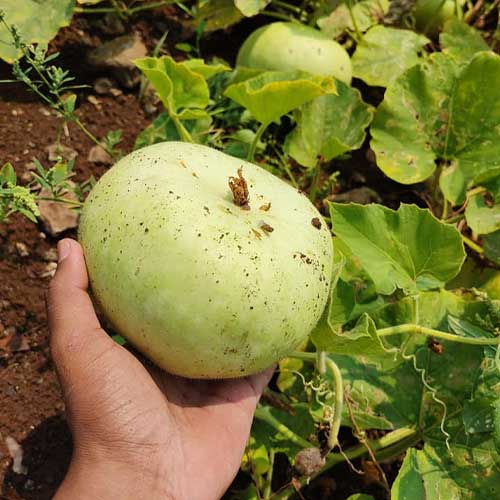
[(139, 432)]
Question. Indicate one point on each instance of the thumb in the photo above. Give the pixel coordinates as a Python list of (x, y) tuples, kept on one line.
[(77, 340)]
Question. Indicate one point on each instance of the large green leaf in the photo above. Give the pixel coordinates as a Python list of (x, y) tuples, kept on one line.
[(461, 41), (384, 53), (366, 13), (178, 85), (329, 126), (272, 94), (409, 128), (37, 21), (406, 249), (431, 473), (474, 139), (436, 113)]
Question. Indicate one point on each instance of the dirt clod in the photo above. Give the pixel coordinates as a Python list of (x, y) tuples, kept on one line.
[(309, 461), (265, 207), (239, 188)]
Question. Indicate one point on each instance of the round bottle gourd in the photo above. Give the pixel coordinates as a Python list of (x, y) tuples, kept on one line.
[(210, 266)]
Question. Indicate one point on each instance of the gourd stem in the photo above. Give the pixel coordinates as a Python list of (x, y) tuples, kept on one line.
[(422, 330), (256, 139), (181, 129), (472, 244)]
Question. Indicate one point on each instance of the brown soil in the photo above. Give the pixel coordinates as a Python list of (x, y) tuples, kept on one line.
[(32, 410)]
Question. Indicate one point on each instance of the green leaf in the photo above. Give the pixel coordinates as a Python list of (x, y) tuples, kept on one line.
[(461, 41), (481, 217), (409, 128), (496, 423), (384, 53), (431, 473), (205, 70), (300, 422), (360, 496), (37, 21), (362, 339), (409, 484), (366, 13), (399, 249), (176, 83), (428, 116), (491, 245), (329, 126), (217, 14), (8, 175), (250, 8), (374, 390), (474, 139), (272, 94)]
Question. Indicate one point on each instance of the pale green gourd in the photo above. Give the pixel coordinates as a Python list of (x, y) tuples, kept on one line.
[(291, 46), (201, 286)]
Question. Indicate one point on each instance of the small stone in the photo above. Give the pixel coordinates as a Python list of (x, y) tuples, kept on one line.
[(44, 111), (57, 152), (49, 271), (50, 255), (363, 195), (103, 86), (16, 453), (115, 92), (56, 217), (26, 177), (98, 154), (4, 304), (21, 249), (118, 53), (94, 101)]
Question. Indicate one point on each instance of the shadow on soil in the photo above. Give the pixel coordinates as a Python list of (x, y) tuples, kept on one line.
[(47, 453)]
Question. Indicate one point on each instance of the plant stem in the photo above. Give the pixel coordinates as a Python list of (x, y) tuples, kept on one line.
[(472, 244), (269, 476), (263, 413), (455, 218), (150, 6), (359, 36), (183, 132), (60, 200), (314, 184), (422, 330), (256, 139), (88, 133), (287, 6), (277, 15)]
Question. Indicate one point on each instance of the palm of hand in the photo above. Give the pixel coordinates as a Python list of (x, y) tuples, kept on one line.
[(134, 425)]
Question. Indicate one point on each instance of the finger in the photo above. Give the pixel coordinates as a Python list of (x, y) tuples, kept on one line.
[(77, 339), (260, 380)]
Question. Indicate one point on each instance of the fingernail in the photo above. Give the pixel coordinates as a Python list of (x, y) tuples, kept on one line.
[(63, 249)]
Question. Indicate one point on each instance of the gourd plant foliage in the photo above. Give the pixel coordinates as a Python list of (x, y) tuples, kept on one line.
[(398, 348)]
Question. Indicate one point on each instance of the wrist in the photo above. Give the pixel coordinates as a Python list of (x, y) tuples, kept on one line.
[(104, 479)]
